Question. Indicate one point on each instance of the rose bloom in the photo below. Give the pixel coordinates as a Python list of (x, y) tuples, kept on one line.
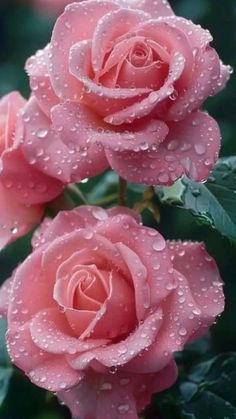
[(23, 189), (96, 312), (129, 77)]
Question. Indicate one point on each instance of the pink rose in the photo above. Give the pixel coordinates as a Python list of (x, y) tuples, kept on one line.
[(129, 77), (97, 310), (23, 189)]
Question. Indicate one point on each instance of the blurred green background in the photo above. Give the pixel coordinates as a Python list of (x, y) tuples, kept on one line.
[(23, 31)]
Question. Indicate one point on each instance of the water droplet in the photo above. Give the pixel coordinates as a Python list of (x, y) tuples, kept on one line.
[(123, 409), (183, 331), (42, 133), (159, 244)]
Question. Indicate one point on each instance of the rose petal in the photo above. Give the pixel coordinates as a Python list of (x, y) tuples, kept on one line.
[(148, 254), (191, 148), (24, 182), (5, 295), (28, 277), (120, 303), (192, 260), (67, 288), (152, 76), (101, 99), (225, 71), (123, 352), (198, 37), (53, 323), (16, 219), (22, 350), (10, 106), (63, 247), (95, 392), (181, 320), (55, 374), (37, 69), (156, 9), (88, 132), (146, 106), (204, 81), (71, 27), (42, 146), (81, 217), (175, 40), (109, 28)]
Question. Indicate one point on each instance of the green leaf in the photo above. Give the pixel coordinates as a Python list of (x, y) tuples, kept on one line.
[(5, 375), (5, 366), (209, 392), (213, 203)]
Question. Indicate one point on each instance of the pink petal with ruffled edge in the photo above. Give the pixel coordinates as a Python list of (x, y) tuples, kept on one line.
[(192, 260), (181, 320), (53, 323), (63, 247), (48, 371), (145, 106), (44, 147), (129, 393), (90, 132), (197, 36), (25, 303), (16, 219), (24, 182), (147, 247), (103, 100), (10, 106), (191, 148), (40, 83), (205, 77), (156, 8), (5, 295), (110, 28), (123, 352), (190, 309), (73, 26), (85, 216)]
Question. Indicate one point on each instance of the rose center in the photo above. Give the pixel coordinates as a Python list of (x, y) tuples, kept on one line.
[(83, 288), (139, 55)]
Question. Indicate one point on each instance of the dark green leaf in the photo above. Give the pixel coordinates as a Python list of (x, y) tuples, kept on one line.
[(5, 366), (209, 392), (213, 203), (5, 375)]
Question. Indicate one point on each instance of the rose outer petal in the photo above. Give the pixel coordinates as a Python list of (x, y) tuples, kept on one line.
[(89, 132), (53, 323), (16, 219), (10, 106), (5, 295), (121, 353), (72, 27), (45, 148), (24, 182), (156, 8), (191, 148), (192, 260), (112, 396), (40, 83)]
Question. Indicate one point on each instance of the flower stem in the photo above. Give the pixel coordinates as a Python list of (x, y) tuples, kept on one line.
[(76, 191), (122, 191)]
